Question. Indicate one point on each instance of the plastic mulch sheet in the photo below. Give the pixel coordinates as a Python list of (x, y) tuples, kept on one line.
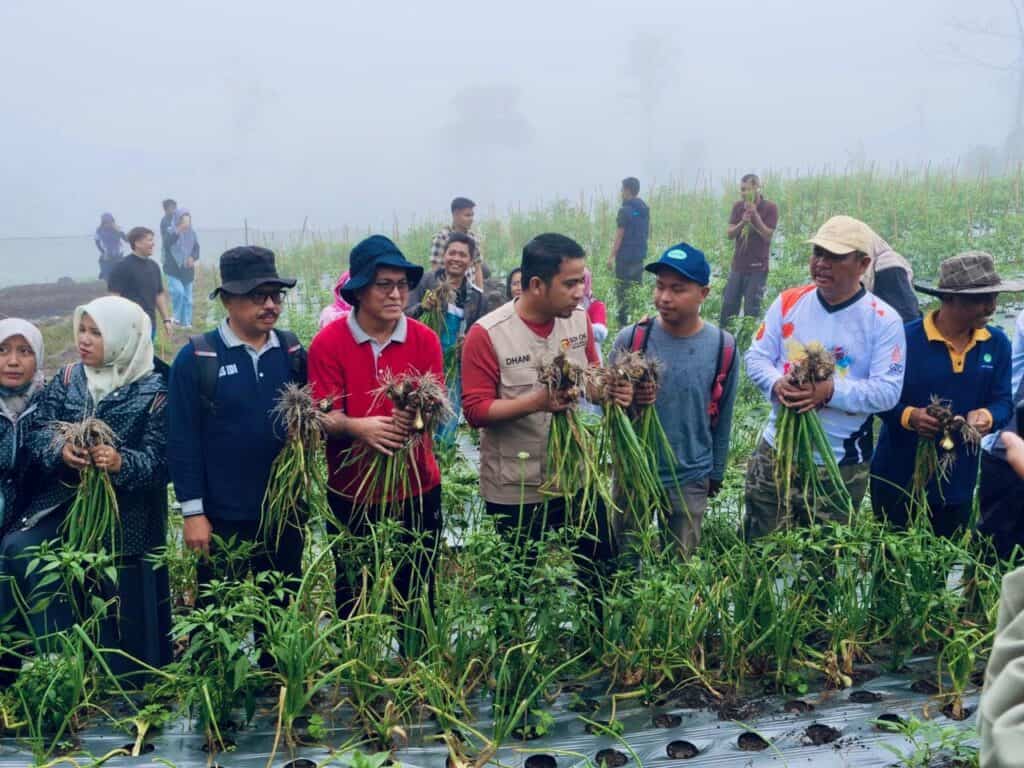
[(794, 737)]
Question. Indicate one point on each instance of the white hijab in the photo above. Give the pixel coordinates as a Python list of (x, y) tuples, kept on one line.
[(16, 402), (127, 347)]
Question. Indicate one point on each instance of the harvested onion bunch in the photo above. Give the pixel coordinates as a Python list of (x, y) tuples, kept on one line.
[(93, 522), (572, 467), (390, 480), (435, 316), (936, 457), (638, 485), (801, 436), (296, 482)]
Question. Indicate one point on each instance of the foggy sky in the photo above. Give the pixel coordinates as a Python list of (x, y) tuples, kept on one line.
[(356, 112)]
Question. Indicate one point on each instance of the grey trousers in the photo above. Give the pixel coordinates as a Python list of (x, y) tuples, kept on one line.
[(681, 521), (746, 288)]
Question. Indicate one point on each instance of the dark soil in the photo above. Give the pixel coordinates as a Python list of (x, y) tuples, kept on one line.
[(819, 733), (42, 301), (665, 720), (948, 712), (229, 744), (610, 758), (751, 742), (541, 761), (300, 762), (863, 674), (797, 706), (735, 709), (584, 705), (693, 697), (889, 718), (865, 697), (146, 748), (681, 750), (924, 686)]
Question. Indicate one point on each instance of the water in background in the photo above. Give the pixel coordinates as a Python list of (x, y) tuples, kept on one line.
[(26, 260)]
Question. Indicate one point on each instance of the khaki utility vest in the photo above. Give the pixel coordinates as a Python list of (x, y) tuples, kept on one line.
[(504, 477)]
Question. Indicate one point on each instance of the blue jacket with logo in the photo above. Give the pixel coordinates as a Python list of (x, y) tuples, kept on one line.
[(224, 456), (984, 382)]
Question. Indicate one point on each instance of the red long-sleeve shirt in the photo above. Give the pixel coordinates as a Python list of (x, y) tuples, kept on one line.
[(345, 371), (481, 374)]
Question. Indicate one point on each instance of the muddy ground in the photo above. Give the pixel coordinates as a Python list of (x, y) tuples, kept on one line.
[(41, 302)]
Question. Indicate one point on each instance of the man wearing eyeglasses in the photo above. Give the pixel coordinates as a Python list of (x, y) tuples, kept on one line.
[(864, 336), (348, 363), (223, 388)]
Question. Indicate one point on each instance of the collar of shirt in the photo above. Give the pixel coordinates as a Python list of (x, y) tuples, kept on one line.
[(398, 335), (231, 341), (932, 333)]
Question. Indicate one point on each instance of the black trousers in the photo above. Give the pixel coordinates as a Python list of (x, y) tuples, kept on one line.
[(1001, 500), (284, 557), (421, 519), (594, 555)]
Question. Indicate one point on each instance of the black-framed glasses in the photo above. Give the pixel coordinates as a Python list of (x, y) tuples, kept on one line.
[(386, 287), (259, 298)]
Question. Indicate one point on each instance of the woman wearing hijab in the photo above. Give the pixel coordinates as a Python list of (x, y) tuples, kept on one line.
[(890, 277), (114, 382), (180, 265), (21, 379), (340, 307), (108, 239)]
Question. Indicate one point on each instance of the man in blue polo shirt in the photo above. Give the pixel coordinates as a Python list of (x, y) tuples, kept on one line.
[(223, 388), (955, 355)]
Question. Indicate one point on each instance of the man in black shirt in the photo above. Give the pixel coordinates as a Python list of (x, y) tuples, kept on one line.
[(166, 223), (137, 278)]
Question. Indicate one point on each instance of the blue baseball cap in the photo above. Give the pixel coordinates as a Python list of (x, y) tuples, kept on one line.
[(687, 261)]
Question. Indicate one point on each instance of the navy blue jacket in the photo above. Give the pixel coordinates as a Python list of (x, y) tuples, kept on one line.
[(984, 382), (223, 457), (13, 459), (138, 416)]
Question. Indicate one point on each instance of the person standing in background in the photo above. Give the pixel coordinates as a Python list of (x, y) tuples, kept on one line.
[(629, 251), (890, 277), (462, 221), (751, 224), (137, 278), (170, 206), (180, 264), (108, 239)]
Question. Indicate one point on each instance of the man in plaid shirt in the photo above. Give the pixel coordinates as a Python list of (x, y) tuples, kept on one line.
[(462, 221)]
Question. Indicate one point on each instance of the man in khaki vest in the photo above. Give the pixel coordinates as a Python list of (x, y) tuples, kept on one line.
[(504, 399)]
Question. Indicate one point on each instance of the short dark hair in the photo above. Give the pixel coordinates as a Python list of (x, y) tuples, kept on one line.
[(544, 254), (137, 233), (461, 237), (169, 202), (508, 280), (752, 178), (462, 202), (631, 184)]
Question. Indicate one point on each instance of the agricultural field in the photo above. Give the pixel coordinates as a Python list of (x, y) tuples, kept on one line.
[(824, 645)]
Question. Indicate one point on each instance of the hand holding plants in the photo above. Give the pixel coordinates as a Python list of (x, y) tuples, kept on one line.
[(75, 457), (106, 457), (922, 422), (621, 393), (382, 433), (645, 392), (806, 397), (551, 401), (196, 531), (981, 420)]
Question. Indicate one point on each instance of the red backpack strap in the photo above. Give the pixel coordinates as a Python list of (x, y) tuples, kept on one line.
[(66, 374), (726, 357), (641, 334)]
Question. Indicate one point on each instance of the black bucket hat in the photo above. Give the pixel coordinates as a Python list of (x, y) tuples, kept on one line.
[(373, 252), (246, 267)]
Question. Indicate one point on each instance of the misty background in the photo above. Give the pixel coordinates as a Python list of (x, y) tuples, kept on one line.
[(366, 114)]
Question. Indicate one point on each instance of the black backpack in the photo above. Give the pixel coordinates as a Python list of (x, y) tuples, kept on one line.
[(209, 365)]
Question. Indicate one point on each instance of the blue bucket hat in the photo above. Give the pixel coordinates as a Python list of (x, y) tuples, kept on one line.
[(373, 252), (686, 260)]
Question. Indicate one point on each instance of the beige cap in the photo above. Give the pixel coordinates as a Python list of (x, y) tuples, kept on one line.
[(845, 234)]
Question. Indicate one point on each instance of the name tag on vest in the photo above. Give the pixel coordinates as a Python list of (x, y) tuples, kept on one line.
[(227, 370)]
